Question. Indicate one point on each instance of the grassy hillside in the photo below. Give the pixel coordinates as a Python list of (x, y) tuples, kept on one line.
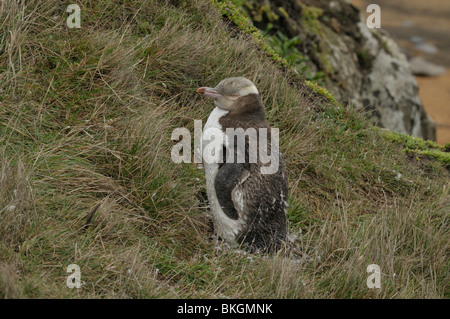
[(86, 117)]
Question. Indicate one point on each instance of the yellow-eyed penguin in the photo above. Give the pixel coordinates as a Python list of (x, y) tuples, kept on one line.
[(247, 206)]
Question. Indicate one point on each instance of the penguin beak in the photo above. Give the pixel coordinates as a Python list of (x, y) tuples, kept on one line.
[(209, 92)]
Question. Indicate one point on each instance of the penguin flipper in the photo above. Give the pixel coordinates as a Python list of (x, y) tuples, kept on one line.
[(227, 178)]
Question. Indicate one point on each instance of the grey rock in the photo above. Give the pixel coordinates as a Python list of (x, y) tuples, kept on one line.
[(426, 48), (420, 45), (420, 66), (408, 23)]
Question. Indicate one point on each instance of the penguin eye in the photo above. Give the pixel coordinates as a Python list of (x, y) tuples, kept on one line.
[(234, 95)]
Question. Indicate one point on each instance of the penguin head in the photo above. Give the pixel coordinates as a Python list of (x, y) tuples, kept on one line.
[(231, 94)]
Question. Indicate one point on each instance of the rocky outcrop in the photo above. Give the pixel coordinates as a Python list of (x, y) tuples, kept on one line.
[(362, 66)]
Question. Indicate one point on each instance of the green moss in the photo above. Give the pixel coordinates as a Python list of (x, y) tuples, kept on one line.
[(322, 91), (381, 41), (283, 12), (364, 58), (271, 16), (326, 64), (419, 146), (310, 18), (443, 157), (410, 142)]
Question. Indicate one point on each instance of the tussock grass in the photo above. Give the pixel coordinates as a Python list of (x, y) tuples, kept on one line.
[(86, 117)]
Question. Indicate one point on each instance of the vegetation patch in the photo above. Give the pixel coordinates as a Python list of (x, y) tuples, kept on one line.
[(230, 11), (419, 146), (86, 175), (310, 18)]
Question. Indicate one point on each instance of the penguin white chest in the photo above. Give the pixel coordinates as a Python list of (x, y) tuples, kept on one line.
[(213, 137), (213, 140)]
